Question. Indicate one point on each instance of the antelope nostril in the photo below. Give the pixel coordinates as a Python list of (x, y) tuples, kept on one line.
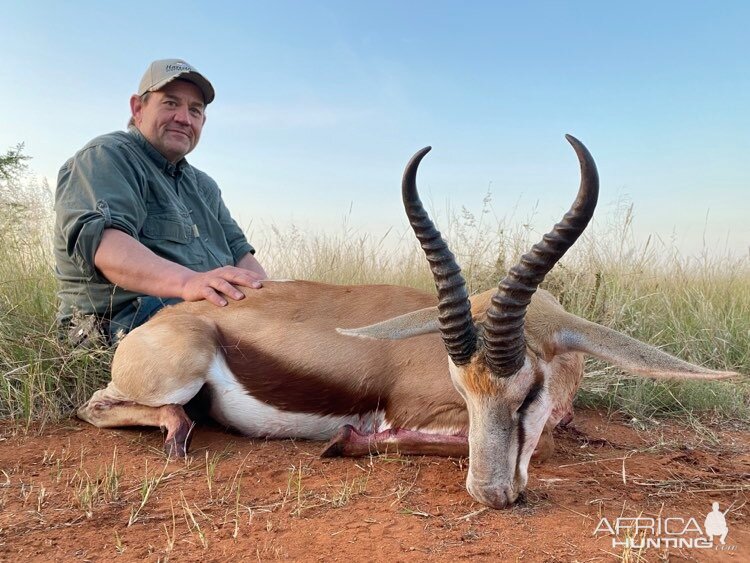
[(494, 496)]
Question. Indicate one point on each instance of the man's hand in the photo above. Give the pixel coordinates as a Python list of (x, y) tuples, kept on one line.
[(214, 285)]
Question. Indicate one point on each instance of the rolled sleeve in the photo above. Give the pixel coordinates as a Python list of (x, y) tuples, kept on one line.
[(97, 189)]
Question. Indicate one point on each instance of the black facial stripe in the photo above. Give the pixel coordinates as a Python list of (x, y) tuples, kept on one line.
[(532, 395)]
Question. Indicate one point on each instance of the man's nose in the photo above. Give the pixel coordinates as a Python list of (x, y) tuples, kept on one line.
[(182, 115)]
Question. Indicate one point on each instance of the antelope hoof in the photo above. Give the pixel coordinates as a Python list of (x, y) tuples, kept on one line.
[(566, 420), (178, 439), (175, 448), (545, 448), (335, 447)]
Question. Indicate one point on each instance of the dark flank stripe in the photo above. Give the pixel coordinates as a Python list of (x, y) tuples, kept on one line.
[(270, 379)]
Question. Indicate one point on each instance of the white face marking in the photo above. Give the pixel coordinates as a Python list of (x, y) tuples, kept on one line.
[(233, 406)]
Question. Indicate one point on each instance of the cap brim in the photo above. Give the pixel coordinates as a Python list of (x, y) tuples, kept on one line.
[(191, 76)]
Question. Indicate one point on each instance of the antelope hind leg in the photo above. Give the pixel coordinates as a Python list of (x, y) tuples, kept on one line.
[(157, 368), (105, 410)]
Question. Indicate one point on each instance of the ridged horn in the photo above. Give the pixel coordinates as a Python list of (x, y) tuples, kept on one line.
[(454, 308), (505, 345)]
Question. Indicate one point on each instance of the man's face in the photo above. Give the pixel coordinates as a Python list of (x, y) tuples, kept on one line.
[(171, 119)]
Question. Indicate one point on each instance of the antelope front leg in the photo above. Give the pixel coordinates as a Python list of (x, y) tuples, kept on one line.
[(350, 443)]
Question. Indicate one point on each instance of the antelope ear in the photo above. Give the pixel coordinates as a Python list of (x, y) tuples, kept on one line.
[(423, 321), (628, 353)]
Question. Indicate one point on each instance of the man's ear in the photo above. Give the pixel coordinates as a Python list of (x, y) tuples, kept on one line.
[(136, 107)]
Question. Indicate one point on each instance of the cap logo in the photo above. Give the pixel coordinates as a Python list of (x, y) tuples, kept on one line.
[(178, 67)]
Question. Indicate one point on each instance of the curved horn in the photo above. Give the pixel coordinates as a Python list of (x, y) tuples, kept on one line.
[(505, 346), (456, 324)]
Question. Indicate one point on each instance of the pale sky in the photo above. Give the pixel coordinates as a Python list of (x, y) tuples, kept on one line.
[(320, 104)]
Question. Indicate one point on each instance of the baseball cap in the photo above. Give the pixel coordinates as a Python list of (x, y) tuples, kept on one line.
[(162, 72)]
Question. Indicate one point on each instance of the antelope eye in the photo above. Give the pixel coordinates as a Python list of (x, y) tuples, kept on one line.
[(530, 398)]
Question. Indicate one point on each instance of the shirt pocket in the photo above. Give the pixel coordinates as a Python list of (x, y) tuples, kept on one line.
[(171, 236)]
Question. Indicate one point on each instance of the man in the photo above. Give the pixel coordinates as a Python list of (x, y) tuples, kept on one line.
[(137, 227)]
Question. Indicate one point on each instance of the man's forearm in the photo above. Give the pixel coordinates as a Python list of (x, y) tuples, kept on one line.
[(126, 262)]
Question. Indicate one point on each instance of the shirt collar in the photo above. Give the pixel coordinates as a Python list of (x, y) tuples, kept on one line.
[(155, 155)]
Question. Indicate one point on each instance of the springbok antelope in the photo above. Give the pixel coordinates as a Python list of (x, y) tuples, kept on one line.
[(277, 364)]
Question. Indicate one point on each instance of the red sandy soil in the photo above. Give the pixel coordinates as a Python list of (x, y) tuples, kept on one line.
[(241, 499)]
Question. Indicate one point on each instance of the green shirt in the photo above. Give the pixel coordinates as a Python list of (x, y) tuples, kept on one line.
[(121, 181)]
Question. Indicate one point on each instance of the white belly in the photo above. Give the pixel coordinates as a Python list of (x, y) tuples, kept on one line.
[(233, 406)]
